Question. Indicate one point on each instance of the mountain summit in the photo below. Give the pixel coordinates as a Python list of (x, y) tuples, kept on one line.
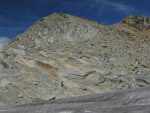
[(66, 56)]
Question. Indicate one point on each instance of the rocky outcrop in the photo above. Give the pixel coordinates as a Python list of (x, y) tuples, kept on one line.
[(66, 56), (140, 22)]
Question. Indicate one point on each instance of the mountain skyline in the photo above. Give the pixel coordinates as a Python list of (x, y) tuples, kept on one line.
[(16, 16)]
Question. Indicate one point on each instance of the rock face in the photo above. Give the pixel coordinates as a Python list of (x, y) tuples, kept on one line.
[(66, 56)]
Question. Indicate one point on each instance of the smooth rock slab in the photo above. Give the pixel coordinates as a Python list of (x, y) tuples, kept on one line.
[(133, 101), (145, 79)]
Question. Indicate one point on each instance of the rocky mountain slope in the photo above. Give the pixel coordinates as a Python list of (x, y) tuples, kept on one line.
[(66, 56)]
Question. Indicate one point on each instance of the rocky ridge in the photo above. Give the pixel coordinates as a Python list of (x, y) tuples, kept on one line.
[(66, 56)]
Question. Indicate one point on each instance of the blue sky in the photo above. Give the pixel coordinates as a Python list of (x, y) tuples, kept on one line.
[(17, 15)]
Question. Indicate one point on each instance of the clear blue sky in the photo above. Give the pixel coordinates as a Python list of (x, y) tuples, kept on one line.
[(17, 15)]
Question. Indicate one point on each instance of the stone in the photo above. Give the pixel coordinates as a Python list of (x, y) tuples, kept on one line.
[(38, 43), (145, 79), (21, 46), (43, 54), (20, 96), (96, 78), (146, 63), (18, 52)]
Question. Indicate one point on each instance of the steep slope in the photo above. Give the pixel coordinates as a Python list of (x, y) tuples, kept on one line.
[(65, 56)]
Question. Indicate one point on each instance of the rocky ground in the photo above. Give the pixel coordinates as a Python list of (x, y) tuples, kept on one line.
[(66, 56)]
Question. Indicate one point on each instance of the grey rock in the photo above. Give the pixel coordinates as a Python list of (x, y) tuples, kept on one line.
[(18, 52), (145, 79), (38, 43), (133, 101), (21, 47)]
